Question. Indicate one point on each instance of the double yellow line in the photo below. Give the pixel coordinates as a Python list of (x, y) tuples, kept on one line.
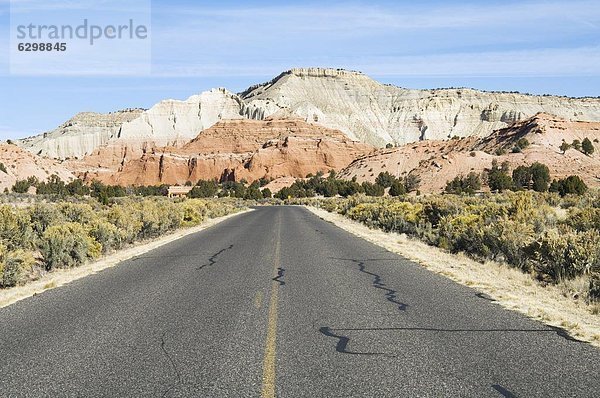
[(268, 382)]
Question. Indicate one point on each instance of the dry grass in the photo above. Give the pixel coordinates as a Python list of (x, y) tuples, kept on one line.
[(511, 288), (60, 277)]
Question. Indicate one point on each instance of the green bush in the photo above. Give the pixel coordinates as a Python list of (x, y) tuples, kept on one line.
[(385, 179), (15, 228), (464, 185), (105, 233), (570, 185), (204, 189), (44, 215), (498, 178), (68, 245), (14, 267), (587, 147)]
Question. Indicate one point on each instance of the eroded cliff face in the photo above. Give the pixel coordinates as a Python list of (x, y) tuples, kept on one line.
[(379, 114), (80, 135), (170, 122), (173, 122), (436, 162), (351, 102), (19, 164), (230, 150)]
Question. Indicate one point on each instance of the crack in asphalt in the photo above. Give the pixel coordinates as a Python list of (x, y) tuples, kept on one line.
[(342, 343), (391, 295), (213, 259), (503, 391), (172, 362), (280, 274)]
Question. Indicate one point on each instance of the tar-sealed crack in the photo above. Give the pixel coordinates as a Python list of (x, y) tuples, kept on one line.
[(343, 340), (172, 362), (342, 343), (280, 274), (213, 259), (378, 283), (503, 391)]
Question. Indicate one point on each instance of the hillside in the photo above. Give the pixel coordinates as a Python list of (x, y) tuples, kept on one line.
[(360, 107), (436, 162), (229, 150), (19, 164)]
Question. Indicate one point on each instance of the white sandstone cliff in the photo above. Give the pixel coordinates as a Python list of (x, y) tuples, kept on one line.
[(351, 102), (379, 114)]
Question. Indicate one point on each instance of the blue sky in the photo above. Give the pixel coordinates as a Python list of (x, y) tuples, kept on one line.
[(529, 46)]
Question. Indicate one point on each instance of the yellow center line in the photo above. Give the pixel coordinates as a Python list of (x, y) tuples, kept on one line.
[(268, 383)]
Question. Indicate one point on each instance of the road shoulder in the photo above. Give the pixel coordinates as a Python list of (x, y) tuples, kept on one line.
[(508, 287), (60, 277)]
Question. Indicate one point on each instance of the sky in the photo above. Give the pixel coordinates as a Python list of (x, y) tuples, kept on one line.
[(539, 47)]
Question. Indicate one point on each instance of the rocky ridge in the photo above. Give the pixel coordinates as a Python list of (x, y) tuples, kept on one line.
[(229, 150), (349, 101), (436, 162)]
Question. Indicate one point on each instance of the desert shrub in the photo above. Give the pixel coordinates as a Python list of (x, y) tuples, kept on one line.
[(397, 189), (126, 219), (81, 213), (14, 267), (587, 147), (576, 144), (594, 288), (570, 185), (385, 179), (584, 219), (42, 216), (105, 233), (194, 212), (463, 233), (563, 254), (67, 245), (506, 240), (204, 189), (158, 217), (15, 228), (3, 168), (464, 185)]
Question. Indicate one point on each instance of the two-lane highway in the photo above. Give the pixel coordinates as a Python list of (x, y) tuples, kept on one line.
[(277, 302)]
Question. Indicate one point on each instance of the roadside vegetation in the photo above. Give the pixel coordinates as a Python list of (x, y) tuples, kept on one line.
[(40, 237), (555, 239)]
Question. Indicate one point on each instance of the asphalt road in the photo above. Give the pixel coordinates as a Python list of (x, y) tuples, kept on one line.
[(277, 302)]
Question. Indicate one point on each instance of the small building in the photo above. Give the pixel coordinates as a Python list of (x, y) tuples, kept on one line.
[(178, 191)]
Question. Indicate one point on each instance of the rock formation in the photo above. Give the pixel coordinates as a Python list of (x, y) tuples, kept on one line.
[(351, 102), (230, 150), (80, 135), (18, 164), (436, 162), (378, 114)]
